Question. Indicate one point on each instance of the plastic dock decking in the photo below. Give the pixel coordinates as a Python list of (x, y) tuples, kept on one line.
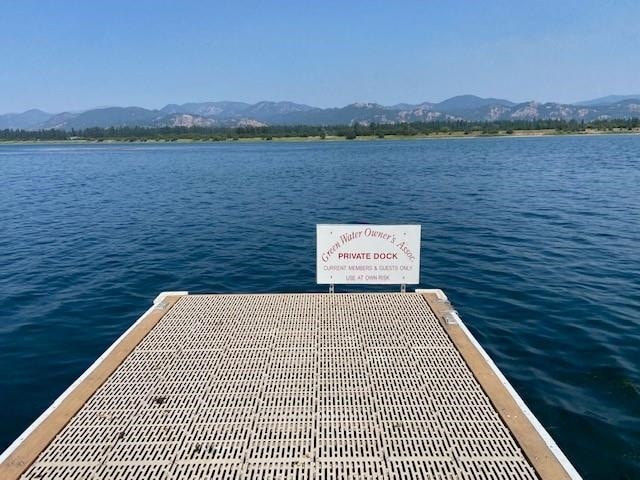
[(327, 386)]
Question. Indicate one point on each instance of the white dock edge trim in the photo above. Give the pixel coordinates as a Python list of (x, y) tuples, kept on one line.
[(548, 440), (162, 295), (10, 449), (436, 291)]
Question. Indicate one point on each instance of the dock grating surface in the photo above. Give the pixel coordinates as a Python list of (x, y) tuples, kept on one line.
[(289, 386)]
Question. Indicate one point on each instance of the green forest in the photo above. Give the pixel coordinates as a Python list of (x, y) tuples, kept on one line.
[(169, 134)]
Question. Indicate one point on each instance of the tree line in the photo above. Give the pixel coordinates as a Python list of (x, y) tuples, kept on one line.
[(301, 131)]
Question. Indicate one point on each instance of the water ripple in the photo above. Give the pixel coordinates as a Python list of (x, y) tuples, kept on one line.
[(535, 240)]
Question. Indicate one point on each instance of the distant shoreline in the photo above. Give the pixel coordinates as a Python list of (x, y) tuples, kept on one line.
[(328, 138)]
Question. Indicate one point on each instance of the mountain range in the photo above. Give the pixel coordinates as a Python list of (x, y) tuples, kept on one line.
[(234, 114)]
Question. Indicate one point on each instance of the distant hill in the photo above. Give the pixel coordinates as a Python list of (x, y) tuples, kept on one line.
[(608, 100), (25, 120), (463, 103), (261, 111), (106, 117), (206, 108), (238, 114)]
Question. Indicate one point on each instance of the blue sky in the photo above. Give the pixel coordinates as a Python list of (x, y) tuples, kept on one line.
[(64, 55)]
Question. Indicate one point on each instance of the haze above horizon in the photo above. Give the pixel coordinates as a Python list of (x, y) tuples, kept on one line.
[(76, 56)]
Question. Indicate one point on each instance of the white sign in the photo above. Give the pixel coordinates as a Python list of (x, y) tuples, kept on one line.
[(368, 254)]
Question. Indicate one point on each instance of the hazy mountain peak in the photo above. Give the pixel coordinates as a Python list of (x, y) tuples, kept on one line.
[(364, 105), (25, 120), (608, 100), (231, 114), (468, 102), (35, 111), (280, 107)]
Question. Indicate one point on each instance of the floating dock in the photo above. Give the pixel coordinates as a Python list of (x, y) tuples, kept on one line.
[(326, 386)]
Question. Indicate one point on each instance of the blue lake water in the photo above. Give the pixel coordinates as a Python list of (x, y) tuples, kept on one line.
[(535, 240)]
